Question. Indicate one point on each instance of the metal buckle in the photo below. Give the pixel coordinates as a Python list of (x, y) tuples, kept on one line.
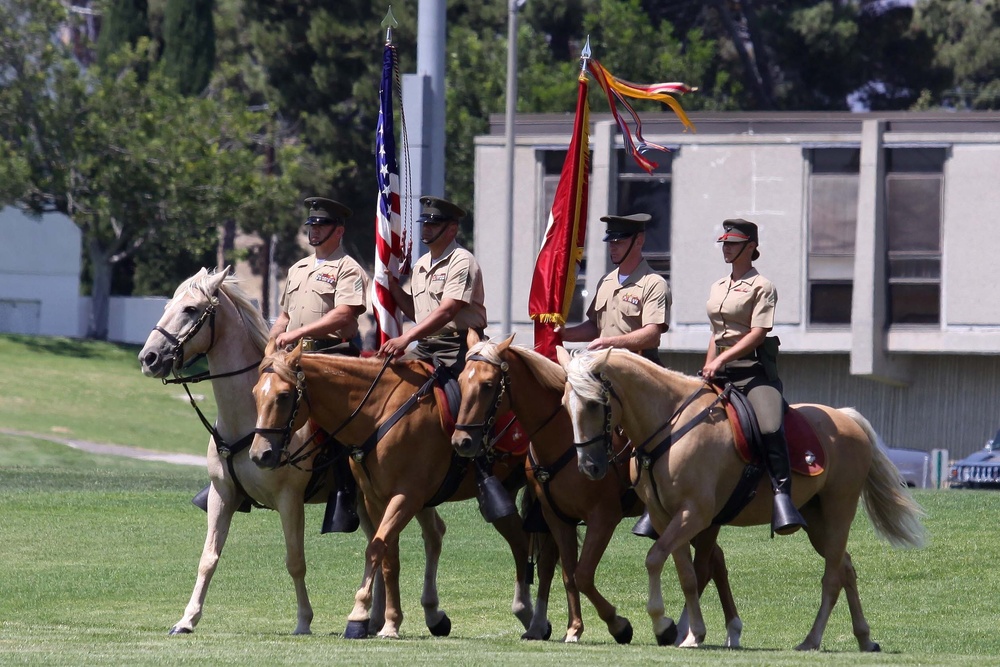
[(308, 344), (358, 454), (224, 452), (542, 476)]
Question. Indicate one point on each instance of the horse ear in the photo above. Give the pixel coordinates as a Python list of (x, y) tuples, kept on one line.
[(562, 355), (272, 345), (472, 338), (505, 344), (296, 354), (217, 279), (602, 359)]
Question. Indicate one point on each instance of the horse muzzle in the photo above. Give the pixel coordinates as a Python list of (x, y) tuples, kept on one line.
[(155, 364), (592, 461), (265, 454), (464, 444)]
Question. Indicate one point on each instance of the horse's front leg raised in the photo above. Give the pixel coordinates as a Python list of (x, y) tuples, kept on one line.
[(293, 521), (220, 517)]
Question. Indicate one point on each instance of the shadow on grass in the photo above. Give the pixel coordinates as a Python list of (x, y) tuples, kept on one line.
[(69, 347)]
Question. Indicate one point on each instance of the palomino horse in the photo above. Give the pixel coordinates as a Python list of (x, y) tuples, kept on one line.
[(499, 377), (690, 483), (401, 456), (233, 343)]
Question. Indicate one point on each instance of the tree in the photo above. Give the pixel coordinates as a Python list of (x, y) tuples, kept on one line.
[(966, 39), (124, 22), (189, 44), (127, 160)]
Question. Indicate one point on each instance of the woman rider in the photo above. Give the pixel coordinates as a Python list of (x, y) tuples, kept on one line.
[(741, 311)]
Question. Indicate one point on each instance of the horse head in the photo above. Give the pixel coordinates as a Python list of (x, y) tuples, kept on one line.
[(181, 334), (483, 384), (282, 408), (587, 399)]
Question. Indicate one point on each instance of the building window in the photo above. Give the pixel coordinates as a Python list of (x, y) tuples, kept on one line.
[(914, 184), (639, 192), (833, 220)]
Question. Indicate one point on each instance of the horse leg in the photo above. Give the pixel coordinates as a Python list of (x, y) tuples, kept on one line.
[(292, 512), (546, 555), (859, 624), (385, 547), (377, 612), (361, 619), (674, 540), (600, 528), (565, 538), (511, 529), (828, 530), (710, 565), (433, 529), (220, 517)]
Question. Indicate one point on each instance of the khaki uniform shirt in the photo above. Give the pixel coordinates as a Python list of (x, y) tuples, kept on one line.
[(312, 291), (735, 307), (618, 309), (455, 275)]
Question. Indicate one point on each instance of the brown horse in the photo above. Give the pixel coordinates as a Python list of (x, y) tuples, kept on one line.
[(400, 466), (210, 315), (688, 486), (499, 377)]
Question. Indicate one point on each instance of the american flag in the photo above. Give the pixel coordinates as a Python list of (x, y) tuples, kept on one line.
[(390, 239)]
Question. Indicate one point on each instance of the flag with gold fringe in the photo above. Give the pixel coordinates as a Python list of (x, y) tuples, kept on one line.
[(554, 279)]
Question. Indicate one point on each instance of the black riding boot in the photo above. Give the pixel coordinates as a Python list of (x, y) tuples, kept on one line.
[(785, 519), (341, 509)]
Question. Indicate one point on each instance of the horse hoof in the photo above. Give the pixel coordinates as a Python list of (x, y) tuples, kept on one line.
[(875, 648), (624, 636), (356, 630), (442, 628), (177, 630), (668, 636), (548, 631)]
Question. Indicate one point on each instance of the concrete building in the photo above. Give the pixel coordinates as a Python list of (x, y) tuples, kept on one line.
[(879, 230)]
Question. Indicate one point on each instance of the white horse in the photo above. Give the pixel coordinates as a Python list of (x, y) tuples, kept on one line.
[(209, 315)]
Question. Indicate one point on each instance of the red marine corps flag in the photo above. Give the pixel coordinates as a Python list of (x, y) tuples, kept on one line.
[(558, 262), (392, 240)]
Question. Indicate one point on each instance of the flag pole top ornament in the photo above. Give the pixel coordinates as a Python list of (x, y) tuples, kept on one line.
[(389, 22), (585, 56)]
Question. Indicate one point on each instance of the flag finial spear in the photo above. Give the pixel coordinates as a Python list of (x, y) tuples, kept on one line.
[(585, 55), (389, 22)]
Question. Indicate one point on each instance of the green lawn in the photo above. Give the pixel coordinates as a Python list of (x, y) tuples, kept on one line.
[(99, 556)]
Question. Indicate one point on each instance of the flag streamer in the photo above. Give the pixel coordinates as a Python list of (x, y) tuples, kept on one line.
[(618, 90)]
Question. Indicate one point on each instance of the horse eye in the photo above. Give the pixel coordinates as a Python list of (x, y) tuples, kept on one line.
[(190, 310)]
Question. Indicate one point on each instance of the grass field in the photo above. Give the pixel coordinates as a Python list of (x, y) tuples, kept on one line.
[(99, 556)]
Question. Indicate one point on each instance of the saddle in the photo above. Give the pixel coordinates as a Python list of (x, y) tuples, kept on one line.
[(512, 439), (805, 452)]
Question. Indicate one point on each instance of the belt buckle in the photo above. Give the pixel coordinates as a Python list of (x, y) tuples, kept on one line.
[(308, 344)]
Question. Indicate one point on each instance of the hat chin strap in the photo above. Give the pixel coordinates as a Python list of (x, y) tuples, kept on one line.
[(627, 252), (316, 244), (438, 235)]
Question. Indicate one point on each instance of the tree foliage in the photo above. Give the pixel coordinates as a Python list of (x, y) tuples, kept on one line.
[(124, 23), (128, 160), (189, 44)]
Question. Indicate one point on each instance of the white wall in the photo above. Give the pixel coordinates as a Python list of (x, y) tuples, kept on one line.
[(40, 268), (130, 318)]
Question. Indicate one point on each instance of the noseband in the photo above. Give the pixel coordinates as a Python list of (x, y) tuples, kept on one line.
[(178, 341), (608, 393), (490, 418)]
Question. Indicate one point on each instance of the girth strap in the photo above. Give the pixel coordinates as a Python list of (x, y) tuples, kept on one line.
[(545, 474)]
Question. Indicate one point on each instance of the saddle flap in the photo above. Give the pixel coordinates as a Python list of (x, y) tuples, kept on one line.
[(805, 452)]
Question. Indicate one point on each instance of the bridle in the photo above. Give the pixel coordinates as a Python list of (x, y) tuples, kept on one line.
[(293, 458), (178, 341), (485, 427), (607, 393)]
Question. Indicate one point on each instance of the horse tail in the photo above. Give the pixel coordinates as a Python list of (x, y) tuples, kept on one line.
[(894, 513)]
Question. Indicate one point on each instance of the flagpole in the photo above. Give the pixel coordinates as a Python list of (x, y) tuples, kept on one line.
[(511, 110)]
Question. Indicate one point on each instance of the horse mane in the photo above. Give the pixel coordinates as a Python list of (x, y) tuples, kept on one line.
[(582, 375), (278, 364), (548, 373), (253, 320)]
